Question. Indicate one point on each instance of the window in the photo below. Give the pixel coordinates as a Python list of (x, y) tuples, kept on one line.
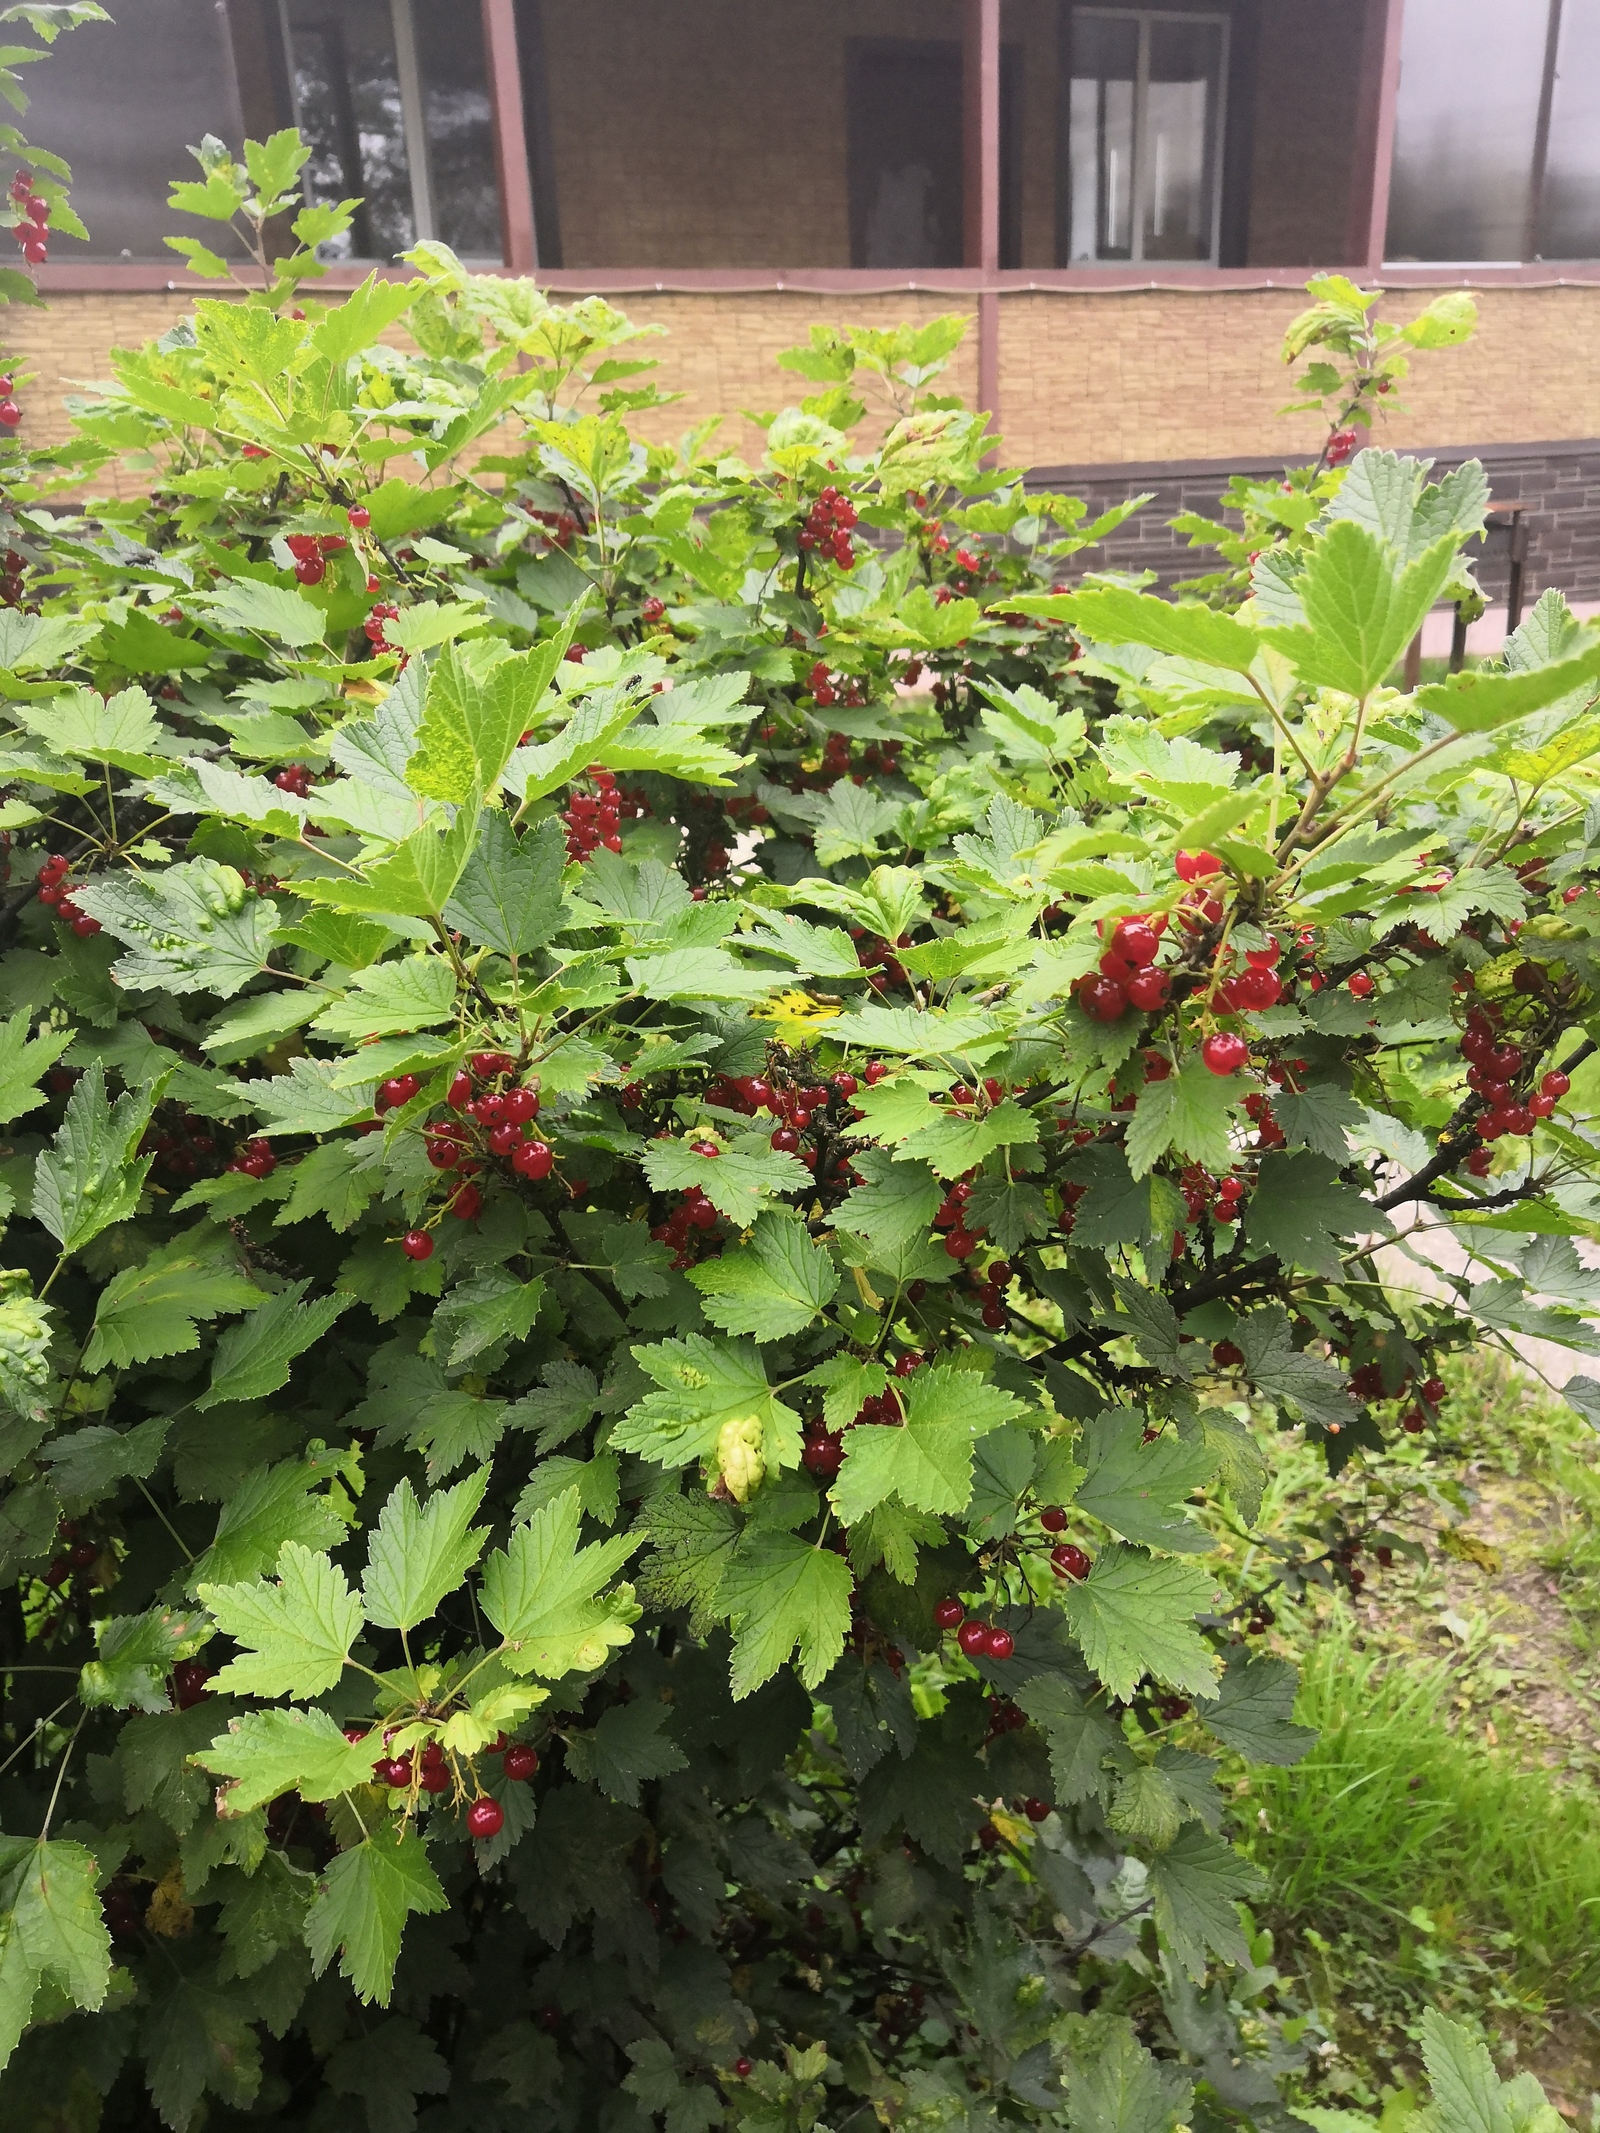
[(122, 101), (1496, 153), (391, 98), (724, 134), (906, 166), (1145, 123), (1569, 184)]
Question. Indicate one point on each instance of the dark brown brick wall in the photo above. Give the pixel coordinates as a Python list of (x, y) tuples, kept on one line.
[(1558, 484)]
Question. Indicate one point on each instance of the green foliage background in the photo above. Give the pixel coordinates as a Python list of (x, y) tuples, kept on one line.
[(673, 1498)]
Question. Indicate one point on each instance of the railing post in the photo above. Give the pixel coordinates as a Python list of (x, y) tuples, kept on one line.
[(518, 242), (981, 191)]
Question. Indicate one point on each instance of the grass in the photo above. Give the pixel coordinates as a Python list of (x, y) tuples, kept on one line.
[(1395, 1826), (1440, 1845)]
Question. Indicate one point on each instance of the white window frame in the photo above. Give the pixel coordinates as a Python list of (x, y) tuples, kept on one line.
[(413, 120), (1146, 17)]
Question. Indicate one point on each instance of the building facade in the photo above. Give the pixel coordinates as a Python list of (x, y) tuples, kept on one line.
[(1127, 198)]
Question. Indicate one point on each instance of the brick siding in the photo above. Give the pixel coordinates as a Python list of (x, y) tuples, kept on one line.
[(1558, 485)]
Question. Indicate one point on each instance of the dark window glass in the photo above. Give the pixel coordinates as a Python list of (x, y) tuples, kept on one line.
[(123, 102), (391, 96), (458, 125), (1144, 129), (717, 133), (1471, 73), (905, 182), (1569, 205), (345, 72)]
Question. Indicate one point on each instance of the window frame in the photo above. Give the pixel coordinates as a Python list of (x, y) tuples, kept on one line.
[(1216, 131)]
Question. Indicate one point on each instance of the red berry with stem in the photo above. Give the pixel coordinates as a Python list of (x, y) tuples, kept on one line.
[(1069, 1561), (973, 1638), (1053, 1518), (949, 1614), (1225, 1052), (1361, 985), (521, 1761), (485, 1818), (360, 517), (1001, 1644), (1197, 866), (417, 1244), (1103, 999), (1555, 1083), (533, 1160), (1147, 990)]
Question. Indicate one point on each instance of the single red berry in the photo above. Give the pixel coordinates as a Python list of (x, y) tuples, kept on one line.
[(533, 1159), (1069, 1561), (485, 1818), (521, 1761), (973, 1638), (1227, 1355), (949, 1614), (1053, 1518), (1001, 1644), (435, 1778), (744, 2067), (785, 1140), (520, 1106), (1361, 985), (550, 2018), (1037, 1810), (1197, 866), (1225, 1052), (417, 1244), (395, 1092), (360, 517), (459, 1093), (189, 1678), (504, 1137), (822, 1453), (1555, 1083), (466, 1204), (1433, 1390), (1103, 999), (486, 1065), (873, 1072)]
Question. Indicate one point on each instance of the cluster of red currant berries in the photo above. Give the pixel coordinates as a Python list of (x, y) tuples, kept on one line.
[(1494, 1067), (77, 1554), (33, 234), (56, 891), (294, 778), (311, 552), (11, 581), (1367, 1383), (561, 527), (1339, 447), (1128, 976), (382, 611), (694, 1212), (184, 1152), (594, 819), (827, 528), (255, 1159), (979, 1640), (828, 688)]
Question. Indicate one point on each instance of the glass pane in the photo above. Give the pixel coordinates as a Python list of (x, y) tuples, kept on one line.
[(824, 133), (1470, 76), (122, 101), (1180, 131), (455, 108), (1101, 95), (346, 86), (1569, 218)]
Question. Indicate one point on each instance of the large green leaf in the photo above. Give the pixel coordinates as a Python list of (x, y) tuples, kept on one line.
[(296, 1634), (361, 1909), (1134, 1615), (90, 1177), (773, 1286), (1141, 1489), (547, 1596), (782, 1592), (927, 1460), (421, 1552), (154, 1309)]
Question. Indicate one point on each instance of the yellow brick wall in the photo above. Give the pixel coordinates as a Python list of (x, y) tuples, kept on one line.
[(1084, 377)]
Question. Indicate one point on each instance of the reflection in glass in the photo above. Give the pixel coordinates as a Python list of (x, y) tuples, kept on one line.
[(1569, 200), (1467, 118), (1145, 134), (1182, 113), (392, 98), (121, 101)]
